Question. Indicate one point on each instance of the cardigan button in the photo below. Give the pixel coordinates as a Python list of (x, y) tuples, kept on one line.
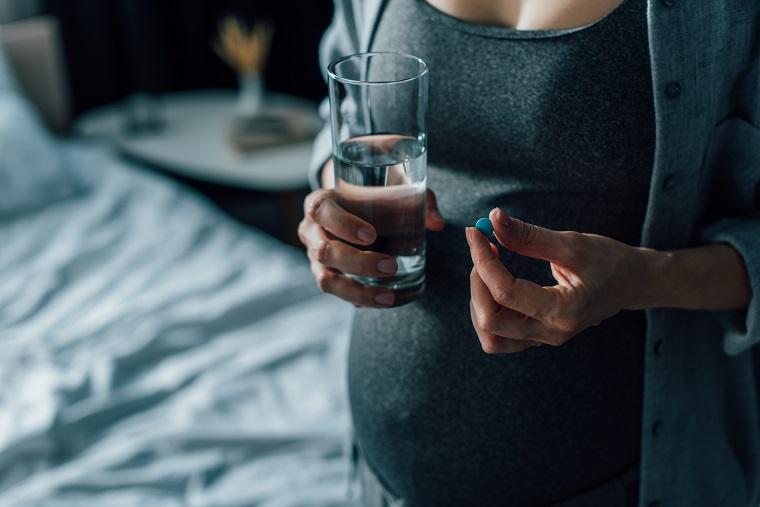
[(669, 183), (656, 428), (654, 503), (668, 3), (657, 347), (673, 90)]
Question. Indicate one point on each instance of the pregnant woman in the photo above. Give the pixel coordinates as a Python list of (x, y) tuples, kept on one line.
[(603, 354)]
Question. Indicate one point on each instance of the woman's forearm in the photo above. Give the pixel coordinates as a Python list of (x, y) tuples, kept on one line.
[(703, 278)]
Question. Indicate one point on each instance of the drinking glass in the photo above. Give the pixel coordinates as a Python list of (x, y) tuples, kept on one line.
[(378, 106)]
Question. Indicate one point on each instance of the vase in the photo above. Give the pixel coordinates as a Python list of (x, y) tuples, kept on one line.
[(250, 95)]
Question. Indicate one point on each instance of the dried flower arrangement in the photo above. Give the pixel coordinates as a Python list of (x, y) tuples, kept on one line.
[(256, 123), (244, 49)]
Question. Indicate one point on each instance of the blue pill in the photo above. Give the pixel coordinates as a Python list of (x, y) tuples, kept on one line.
[(484, 226)]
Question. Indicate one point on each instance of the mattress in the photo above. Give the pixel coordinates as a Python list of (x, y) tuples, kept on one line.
[(154, 352)]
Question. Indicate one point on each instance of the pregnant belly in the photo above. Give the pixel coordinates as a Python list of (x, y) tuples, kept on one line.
[(442, 423)]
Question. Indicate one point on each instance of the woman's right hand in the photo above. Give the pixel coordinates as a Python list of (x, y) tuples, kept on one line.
[(326, 230)]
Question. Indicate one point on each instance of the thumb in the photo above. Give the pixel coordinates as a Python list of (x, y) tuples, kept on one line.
[(528, 239), (433, 218)]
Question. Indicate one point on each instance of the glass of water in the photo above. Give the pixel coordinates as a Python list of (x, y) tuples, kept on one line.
[(378, 105)]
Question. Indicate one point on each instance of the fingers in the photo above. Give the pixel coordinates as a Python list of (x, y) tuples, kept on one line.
[(433, 218), (491, 318), (527, 313), (325, 221), (342, 257), (493, 344), (510, 324), (332, 282), (321, 208), (330, 257), (481, 298), (515, 293), (530, 240)]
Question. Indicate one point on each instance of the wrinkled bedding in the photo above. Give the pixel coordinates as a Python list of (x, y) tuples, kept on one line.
[(155, 353)]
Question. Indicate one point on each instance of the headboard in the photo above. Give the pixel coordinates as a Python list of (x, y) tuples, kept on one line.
[(34, 50)]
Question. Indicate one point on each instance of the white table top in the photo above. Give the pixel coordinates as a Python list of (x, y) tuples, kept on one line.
[(194, 143)]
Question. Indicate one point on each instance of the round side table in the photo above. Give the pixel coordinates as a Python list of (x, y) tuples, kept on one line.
[(192, 142)]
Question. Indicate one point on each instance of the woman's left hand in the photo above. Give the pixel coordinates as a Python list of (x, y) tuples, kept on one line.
[(596, 278)]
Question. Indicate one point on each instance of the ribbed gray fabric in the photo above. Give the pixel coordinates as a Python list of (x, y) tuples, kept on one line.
[(557, 128)]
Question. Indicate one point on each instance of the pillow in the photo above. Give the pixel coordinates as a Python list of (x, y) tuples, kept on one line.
[(7, 79), (31, 170)]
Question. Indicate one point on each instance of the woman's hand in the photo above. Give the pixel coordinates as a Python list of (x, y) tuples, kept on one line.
[(596, 278), (326, 231)]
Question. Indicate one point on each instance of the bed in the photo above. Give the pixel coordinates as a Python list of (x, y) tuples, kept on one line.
[(152, 351)]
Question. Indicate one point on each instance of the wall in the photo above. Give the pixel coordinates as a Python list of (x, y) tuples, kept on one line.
[(14, 10), (117, 47)]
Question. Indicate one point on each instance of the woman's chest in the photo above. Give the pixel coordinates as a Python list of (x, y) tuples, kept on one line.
[(549, 110), (528, 14)]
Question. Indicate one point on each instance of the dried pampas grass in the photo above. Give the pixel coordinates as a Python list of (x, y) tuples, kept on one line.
[(244, 49)]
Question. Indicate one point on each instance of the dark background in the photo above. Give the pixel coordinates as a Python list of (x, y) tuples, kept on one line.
[(115, 48)]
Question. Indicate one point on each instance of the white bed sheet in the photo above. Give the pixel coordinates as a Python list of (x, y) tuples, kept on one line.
[(155, 353)]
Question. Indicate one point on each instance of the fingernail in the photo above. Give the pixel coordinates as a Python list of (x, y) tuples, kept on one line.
[(365, 234), (467, 235), (384, 299), (387, 266)]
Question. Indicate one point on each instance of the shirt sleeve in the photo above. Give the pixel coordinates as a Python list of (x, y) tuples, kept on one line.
[(340, 39), (733, 163)]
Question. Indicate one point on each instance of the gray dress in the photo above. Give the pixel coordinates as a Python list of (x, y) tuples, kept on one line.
[(557, 128)]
